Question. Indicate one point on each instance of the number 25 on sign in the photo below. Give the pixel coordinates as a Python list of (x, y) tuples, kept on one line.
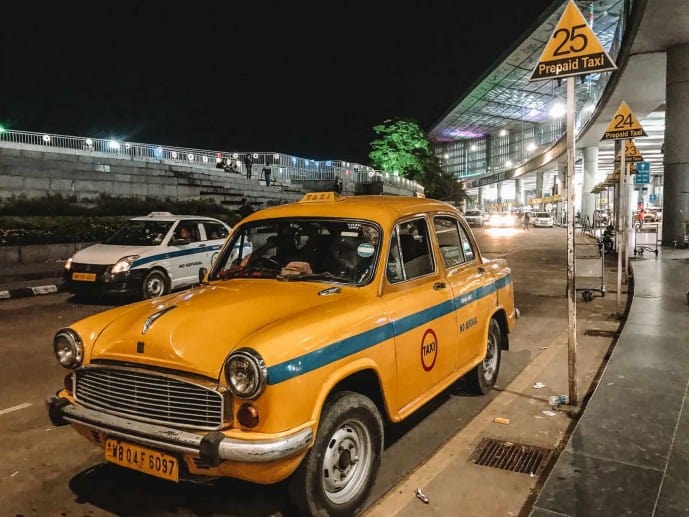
[(573, 49)]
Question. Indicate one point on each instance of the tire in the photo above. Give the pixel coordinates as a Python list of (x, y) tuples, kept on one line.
[(328, 482), (155, 285), (482, 378)]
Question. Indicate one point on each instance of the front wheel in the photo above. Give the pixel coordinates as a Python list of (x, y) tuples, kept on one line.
[(337, 474), (155, 284), (482, 378)]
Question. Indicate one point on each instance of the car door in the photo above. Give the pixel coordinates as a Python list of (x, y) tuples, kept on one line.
[(214, 235), (472, 287), (187, 253), (420, 302)]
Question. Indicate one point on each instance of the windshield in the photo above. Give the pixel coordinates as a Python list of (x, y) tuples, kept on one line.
[(542, 214), (473, 212), (140, 233), (332, 250)]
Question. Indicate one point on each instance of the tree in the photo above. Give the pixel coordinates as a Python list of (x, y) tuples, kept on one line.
[(400, 148), (406, 150)]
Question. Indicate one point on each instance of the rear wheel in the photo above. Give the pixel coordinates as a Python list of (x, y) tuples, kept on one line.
[(337, 474), (155, 284), (482, 378)]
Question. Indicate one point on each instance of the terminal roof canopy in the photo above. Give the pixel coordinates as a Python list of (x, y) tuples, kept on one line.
[(506, 97)]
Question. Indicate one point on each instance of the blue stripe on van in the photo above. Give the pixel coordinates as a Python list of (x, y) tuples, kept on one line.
[(351, 345), (173, 254)]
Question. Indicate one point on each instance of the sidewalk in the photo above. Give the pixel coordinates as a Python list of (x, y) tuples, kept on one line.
[(19, 280)]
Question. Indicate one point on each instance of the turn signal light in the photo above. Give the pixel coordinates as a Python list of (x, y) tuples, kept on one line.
[(247, 415)]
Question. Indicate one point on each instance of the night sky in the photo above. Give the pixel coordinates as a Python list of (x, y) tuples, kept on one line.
[(306, 80)]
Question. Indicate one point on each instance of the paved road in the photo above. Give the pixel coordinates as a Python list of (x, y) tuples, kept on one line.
[(53, 471)]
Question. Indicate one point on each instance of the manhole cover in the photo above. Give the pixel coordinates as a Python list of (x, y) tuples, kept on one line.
[(600, 333), (515, 457)]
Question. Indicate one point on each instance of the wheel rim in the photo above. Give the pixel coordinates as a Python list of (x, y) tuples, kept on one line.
[(155, 286), (347, 462), (490, 363)]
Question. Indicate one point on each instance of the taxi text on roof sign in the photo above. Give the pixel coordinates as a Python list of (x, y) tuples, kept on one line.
[(573, 49), (624, 125)]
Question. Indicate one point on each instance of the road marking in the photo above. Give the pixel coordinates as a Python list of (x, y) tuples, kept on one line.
[(15, 408)]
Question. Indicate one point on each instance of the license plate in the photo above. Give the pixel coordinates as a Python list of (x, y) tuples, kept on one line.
[(143, 459), (86, 277)]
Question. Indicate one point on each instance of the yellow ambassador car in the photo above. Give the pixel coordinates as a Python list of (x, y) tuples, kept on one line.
[(349, 313)]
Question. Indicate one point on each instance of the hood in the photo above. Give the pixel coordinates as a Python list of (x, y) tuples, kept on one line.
[(106, 254), (195, 330)]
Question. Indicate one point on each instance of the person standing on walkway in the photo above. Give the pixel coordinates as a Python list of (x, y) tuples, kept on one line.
[(245, 208), (526, 220), (248, 162), (266, 174)]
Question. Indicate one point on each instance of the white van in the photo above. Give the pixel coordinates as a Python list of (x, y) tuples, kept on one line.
[(149, 256)]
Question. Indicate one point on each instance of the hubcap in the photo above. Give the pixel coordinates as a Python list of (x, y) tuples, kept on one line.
[(155, 286), (347, 462)]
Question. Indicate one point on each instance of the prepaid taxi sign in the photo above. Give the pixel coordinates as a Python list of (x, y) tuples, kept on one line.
[(624, 125), (631, 153), (573, 49)]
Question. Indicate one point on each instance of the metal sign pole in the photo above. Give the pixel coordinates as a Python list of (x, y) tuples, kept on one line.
[(571, 287), (620, 231)]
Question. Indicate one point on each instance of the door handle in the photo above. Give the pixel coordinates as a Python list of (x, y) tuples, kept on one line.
[(439, 285), (202, 245)]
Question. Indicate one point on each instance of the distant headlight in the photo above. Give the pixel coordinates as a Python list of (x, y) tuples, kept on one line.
[(68, 264), (123, 264), (246, 374), (69, 350)]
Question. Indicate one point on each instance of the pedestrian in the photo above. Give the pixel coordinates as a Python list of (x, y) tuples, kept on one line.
[(526, 220), (248, 162), (338, 185), (245, 208), (266, 174)]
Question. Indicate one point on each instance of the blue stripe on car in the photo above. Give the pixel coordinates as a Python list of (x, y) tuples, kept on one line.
[(351, 345), (173, 254)]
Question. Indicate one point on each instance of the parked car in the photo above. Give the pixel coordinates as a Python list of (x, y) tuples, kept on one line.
[(349, 312), (502, 220), (542, 219), (148, 256), (474, 218)]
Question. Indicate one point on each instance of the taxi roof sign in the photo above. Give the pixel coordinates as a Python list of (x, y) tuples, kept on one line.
[(573, 49), (624, 125), (316, 197)]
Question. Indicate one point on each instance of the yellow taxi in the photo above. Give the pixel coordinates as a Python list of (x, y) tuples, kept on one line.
[(342, 314)]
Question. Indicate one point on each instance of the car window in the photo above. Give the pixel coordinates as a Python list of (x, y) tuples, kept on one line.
[(140, 233), (449, 240), (410, 252), (214, 230), (467, 248), (187, 231)]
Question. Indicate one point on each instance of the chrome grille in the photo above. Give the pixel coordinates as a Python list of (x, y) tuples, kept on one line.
[(149, 397)]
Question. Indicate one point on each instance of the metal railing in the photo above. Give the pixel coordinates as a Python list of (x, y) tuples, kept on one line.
[(285, 168)]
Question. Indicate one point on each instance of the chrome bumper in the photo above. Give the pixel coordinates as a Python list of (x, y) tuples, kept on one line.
[(212, 448)]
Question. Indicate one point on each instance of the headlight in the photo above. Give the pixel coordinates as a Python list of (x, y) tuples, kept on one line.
[(69, 350), (68, 264), (123, 264), (246, 374)]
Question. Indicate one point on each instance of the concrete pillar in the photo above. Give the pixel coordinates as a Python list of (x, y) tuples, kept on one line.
[(499, 188), (518, 192), (479, 201), (676, 158), (588, 200), (539, 184)]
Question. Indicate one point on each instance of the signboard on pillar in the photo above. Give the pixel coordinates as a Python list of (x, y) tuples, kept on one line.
[(624, 125), (643, 173), (573, 49), (631, 153)]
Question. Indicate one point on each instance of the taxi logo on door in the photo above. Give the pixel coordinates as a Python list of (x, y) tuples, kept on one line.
[(429, 350)]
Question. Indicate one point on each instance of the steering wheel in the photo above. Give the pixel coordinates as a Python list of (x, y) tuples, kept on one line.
[(266, 263)]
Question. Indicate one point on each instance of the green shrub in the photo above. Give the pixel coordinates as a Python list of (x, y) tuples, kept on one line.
[(56, 219)]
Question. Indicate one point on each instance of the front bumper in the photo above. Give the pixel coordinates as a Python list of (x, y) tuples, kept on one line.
[(128, 282), (213, 447)]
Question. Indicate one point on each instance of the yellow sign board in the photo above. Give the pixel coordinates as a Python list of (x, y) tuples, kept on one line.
[(631, 153), (573, 49), (624, 125)]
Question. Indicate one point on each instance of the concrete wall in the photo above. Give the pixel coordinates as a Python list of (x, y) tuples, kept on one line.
[(37, 253)]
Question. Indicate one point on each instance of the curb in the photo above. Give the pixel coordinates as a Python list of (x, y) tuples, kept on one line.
[(22, 292)]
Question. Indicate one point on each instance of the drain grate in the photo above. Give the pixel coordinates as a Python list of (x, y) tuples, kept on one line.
[(601, 333), (515, 457)]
